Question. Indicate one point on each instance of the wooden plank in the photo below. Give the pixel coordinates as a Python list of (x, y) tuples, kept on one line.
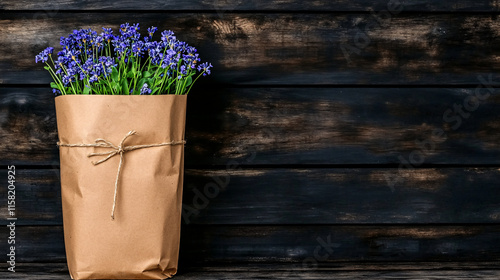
[(61, 267), (301, 196), (272, 5), (291, 126), (284, 49), (28, 131), (342, 196), (264, 244), (59, 271)]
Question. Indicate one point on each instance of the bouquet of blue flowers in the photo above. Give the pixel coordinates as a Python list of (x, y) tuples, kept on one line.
[(122, 157), (125, 64)]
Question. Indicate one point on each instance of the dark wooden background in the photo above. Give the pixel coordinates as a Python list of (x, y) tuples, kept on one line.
[(299, 139)]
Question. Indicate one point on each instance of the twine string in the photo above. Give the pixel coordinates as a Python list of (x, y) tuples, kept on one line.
[(115, 150)]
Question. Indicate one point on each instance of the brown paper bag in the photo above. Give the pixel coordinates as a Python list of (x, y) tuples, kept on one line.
[(142, 242)]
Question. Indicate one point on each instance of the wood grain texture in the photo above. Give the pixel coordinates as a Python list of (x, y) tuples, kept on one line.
[(311, 108), (267, 244), (301, 196), (224, 6), (290, 126), (58, 267), (59, 271), (290, 49)]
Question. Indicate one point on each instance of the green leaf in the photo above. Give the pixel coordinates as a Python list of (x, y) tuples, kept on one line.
[(125, 90), (114, 86), (130, 75), (46, 68), (147, 74), (114, 75), (54, 85), (189, 80), (141, 82), (86, 90)]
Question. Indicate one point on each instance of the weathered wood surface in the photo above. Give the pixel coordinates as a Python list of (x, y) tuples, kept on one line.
[(300, 196), (287, 49), (295, 243), (225, 6), (57, 271), (316, 131), (255, 126), (61, 267)]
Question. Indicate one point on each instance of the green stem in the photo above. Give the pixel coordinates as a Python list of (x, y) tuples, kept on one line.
[(107, 80), (163, 79), (192, 84), (88, 83), (55, 76), (70, 83)]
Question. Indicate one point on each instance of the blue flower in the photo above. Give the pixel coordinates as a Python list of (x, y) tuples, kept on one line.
[(171, 52), (107, 61), (99, 40), (205, 67), (44, 55), (94, 78), (129, 32), (124, 28), (82, 76), (85, 58), (168, 36), (152, 30), (76, 34), (107, 34), (106, 65), (145, 89), (191, 58), (137, 48), (68, 79), (183, 70)]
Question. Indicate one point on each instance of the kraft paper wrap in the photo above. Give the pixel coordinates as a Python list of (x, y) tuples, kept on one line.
[(142, 242)]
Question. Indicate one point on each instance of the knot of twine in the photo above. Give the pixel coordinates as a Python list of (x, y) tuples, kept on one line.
[(115, 150)]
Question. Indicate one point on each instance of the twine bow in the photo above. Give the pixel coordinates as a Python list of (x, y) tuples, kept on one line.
[(115, 150)]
